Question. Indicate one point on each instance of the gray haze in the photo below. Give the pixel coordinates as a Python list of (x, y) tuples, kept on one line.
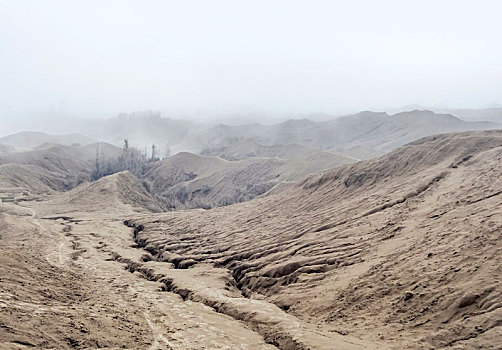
[(98, 58)]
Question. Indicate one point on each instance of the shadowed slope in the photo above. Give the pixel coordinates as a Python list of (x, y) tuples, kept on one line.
[(108, 194), (62, 159), (51, 166), (186, 180), (247, 148)]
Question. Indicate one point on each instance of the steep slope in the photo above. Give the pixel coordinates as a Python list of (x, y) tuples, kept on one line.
[(404, 249), (32, 139), (187, 180), (120, 191), (182, 181), (31, 178), (61, 167), (246, 148), (55, 158)]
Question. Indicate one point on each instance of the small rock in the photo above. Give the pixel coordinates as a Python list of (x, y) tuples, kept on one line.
[(468, 299), (408, 295)]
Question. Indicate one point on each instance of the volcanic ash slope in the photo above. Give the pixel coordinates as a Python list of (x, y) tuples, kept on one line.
[(404, 249)]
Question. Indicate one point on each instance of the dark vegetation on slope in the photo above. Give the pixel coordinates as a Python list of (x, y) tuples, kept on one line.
[(181, 181)]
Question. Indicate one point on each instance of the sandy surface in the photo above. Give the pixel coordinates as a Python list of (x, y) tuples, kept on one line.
[(61, 288), (403, 250), (399, 252)]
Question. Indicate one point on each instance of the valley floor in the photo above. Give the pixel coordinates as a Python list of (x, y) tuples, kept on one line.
[(77, 280), (61, 287)]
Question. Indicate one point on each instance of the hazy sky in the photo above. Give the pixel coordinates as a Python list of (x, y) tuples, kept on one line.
[(282, 56)]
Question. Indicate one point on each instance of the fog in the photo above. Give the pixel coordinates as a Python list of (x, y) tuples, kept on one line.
[(204, 59)]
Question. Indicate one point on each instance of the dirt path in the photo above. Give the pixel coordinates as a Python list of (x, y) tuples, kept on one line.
[(62, 289)]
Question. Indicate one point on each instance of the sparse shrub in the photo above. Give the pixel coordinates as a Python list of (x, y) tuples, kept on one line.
[(130, 159), (181, 195)]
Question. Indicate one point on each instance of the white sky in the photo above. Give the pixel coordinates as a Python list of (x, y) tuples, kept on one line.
[(244, 56)]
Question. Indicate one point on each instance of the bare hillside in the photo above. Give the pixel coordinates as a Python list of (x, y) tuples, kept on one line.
[(187, 180), (61, 158), (404, 248), (247, 148), (250, 175), (399, 252), (57, 166), (181, 181), (32, 139), (361, 135), (118, 191), (31, 178)]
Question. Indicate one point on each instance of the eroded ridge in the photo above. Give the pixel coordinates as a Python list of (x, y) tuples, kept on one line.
[(403, 249)]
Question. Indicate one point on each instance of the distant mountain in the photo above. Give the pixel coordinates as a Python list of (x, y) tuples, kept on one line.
[(361, 135), (487, 114), (389, 132), (142, 129), (246, 148), (32, 139)]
